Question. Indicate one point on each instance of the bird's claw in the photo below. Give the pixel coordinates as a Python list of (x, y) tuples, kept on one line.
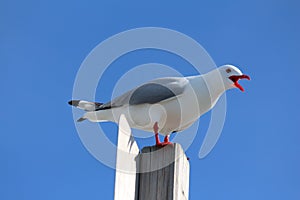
[(162, 144)]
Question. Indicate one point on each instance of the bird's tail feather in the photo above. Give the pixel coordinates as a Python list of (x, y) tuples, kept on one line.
[(81, 119), (85, 105)]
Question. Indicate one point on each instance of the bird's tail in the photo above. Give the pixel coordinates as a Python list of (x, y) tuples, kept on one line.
[(86, 106)]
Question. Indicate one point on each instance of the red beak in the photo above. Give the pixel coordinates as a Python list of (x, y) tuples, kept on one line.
[(236, 78)]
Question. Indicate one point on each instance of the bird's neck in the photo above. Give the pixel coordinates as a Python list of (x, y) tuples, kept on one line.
[(208, 89), (215, 84)]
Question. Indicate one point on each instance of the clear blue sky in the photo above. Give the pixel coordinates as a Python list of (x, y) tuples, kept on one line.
[(43, 44)]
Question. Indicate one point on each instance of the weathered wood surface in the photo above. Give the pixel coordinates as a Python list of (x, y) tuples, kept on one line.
[(164, 173), (157, 173)]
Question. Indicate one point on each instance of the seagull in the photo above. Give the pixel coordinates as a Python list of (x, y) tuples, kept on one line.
[(165, 105)]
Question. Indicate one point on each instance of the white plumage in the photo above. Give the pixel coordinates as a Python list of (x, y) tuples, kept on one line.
[(174, 103)]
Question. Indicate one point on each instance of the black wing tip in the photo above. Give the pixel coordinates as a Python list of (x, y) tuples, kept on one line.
[(98, 104), (81, 119), (74, 102)]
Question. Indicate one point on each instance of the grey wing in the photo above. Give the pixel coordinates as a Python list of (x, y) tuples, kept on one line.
[(150, 93)]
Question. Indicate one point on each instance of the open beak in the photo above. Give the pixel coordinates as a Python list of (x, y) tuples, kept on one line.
[(236, 78)]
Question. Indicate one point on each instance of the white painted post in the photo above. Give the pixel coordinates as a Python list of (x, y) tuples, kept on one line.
[(125, 178), (157, 173)]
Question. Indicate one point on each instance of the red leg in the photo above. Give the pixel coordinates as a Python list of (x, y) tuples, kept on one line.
[(166, 141), (155, 129), (158, 143), (166, 138)]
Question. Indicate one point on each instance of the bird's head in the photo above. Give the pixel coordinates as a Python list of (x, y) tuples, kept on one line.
[(231, 75)]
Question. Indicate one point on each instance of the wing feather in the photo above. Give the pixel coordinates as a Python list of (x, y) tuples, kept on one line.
[(150, 93)]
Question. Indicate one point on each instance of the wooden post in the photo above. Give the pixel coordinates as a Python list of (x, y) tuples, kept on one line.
[(164, 173), (157, 173), (125, 178)]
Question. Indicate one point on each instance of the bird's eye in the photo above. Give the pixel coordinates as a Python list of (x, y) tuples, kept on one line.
[(228, 70)]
